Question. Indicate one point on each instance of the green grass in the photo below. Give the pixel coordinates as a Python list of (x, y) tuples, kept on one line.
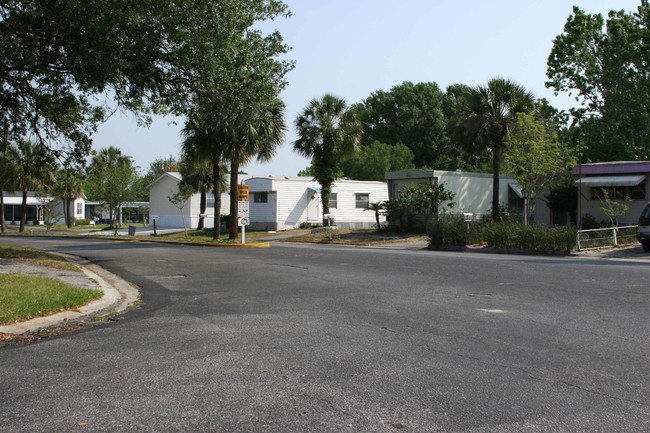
[(362, 237), (24, 297), (36, 257)]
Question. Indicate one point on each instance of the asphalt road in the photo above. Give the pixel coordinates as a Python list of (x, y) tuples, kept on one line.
[(300, 338)]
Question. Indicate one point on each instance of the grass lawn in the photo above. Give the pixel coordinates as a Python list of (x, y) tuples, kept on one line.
[(362, 237), (206, 236), (36, 257), (24, 297)]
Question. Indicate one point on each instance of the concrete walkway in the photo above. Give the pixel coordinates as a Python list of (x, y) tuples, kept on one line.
[(118, 293)]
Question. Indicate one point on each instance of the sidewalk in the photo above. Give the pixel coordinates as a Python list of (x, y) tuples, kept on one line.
[(118, 294)]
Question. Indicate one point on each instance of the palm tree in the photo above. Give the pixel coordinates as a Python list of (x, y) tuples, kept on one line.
[(327, 131), (69, 187), (197, 174), (111, 175), (35, 168), (257, 133), (488, 114), (202, 141)]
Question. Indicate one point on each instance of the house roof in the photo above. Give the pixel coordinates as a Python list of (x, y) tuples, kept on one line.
[(173, 174), (612, 167)]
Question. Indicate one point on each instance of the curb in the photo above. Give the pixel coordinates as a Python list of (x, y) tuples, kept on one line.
[(118, 296), (151, 239)]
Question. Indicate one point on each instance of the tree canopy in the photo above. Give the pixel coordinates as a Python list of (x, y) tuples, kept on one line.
[(604, 65), (412, 114), (150, 56)]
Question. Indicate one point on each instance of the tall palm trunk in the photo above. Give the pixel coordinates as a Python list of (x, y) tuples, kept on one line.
[(234, 177), (216, 173), (496, 169), (202, 208), (70, 218), (23, 217), (5, 143)]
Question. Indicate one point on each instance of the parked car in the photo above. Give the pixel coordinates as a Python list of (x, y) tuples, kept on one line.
[(643, 230)]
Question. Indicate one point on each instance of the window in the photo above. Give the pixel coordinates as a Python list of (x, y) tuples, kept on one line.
[(80, 210), (635, 192), (332, 201), (362, 201), (260, 197)]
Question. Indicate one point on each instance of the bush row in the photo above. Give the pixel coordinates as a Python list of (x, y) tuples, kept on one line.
[(452, 231)]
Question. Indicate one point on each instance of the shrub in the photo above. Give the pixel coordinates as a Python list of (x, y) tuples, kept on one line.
[(304, 225), (452, 231), (82, 222)]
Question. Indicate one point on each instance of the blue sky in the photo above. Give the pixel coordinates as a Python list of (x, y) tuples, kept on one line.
[(351, 48)]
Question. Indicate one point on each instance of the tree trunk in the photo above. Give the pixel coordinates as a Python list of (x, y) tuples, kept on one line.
[(496, 168), (2, 210), (326, 192), (202, 208), (64, 207), (70, 219), (234, 177), (5, 143), (23, 217), (216, 232)]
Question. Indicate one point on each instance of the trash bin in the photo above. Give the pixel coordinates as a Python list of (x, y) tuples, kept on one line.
[(131, 230)]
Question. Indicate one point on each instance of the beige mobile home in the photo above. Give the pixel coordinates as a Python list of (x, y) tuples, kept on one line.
[(473, 190)]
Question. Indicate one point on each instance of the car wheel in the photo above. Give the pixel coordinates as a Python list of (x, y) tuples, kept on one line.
[(646, 245)]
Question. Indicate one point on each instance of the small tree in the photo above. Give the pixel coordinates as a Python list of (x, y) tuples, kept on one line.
[(50, 215), (536, 157), (379, 208), (424, 200), (613, 207), (179, 199)]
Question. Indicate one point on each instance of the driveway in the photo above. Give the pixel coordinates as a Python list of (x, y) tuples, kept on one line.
[(313, 338)]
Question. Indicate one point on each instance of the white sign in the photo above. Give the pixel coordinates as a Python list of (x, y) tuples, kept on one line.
[(242, 209), (242, 221)]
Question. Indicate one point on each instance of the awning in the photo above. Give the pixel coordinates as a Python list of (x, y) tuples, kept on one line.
[(632, 180), (312, 189), (517, 189), (31, 201)]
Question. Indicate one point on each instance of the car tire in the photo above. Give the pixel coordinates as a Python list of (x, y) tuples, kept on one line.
[(646, 246)]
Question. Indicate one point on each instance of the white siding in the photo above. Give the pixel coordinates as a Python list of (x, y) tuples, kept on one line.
[(291, 202)]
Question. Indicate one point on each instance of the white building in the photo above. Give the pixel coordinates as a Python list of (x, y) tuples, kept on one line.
[(284, 202), (168, 215), (13, 202)]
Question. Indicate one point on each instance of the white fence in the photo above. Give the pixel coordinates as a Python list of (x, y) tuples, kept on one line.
[(606, 237)]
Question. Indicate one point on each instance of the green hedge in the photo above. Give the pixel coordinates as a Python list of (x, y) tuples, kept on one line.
[(452, 231)]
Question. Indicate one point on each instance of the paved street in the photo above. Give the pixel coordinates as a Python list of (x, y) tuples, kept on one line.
[(312, 338)]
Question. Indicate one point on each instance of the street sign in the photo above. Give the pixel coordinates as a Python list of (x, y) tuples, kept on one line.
[(242, 221), (242, 192), (243, 209)]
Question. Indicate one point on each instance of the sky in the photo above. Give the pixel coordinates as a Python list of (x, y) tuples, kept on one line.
[(352, 48)]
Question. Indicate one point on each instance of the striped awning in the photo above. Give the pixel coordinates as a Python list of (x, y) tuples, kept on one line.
[(628, 180)]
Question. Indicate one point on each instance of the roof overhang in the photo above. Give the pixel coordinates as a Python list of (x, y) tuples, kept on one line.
[(517, 189), (314, 189), (632, 180)]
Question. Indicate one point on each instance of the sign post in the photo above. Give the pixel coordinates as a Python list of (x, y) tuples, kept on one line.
[(243, 216)]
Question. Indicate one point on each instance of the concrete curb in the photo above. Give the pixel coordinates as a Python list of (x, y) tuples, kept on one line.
[(122, 238), (118, 296)]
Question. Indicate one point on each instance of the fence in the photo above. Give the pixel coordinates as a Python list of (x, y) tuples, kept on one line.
[(606, 237)]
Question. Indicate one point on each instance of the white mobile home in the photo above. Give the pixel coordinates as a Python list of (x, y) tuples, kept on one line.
[(284, 202), (168, 215), (13, 202)]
